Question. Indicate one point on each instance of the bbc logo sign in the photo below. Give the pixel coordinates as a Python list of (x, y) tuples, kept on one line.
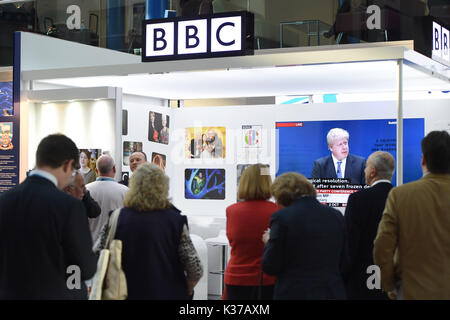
[(441, 43), (220, 35)]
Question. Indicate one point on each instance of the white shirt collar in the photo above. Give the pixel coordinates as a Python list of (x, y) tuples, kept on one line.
[(343, 162), (380, 181), (45, 174)]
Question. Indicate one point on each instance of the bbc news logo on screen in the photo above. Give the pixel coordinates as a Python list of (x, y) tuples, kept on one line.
[(441, 42), (219, 35)]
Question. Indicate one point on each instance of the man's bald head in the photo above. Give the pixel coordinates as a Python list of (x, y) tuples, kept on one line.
[(106, 166)]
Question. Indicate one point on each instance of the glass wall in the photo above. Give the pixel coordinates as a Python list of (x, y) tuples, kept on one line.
[(116, 24)]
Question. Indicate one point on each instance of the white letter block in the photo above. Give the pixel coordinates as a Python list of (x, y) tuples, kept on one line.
[(226, 34), (197, 32), (160, 39)]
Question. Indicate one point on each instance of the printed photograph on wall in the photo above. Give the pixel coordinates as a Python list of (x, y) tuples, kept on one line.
[(160, 160), (124, 122), (6, 136), (205, 143), (6, 99), (88, 163), (158, 127), (125, 177), (204, 184), (251, 136), (128, 148)]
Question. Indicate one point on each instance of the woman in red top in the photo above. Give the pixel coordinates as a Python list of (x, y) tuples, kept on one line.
[(246, 222)]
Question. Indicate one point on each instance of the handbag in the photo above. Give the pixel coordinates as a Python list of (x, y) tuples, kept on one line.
[(109, 282)]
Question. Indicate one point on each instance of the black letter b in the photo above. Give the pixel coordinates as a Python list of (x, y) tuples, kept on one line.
[(159, 39), (191, 36)]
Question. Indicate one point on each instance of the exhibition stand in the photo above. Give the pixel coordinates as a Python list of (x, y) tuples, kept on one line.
[(412, 91)]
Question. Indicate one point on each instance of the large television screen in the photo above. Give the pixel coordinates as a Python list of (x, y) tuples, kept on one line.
[(300, 143)]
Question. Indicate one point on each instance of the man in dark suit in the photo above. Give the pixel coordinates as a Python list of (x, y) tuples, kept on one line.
[(362, 216), (340, 164), (45, 243)]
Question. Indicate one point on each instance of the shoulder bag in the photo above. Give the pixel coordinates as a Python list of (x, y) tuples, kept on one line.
[(109, 282)]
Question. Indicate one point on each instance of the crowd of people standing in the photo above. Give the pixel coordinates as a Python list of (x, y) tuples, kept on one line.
[(293, 248)]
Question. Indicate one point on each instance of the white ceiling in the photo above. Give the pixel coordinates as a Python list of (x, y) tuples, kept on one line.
[(354, 77)]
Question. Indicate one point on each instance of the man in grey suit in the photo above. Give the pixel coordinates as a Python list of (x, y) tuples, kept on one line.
[(340, 164)]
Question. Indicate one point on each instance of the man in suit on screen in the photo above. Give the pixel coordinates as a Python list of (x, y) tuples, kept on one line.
[(340, 164)]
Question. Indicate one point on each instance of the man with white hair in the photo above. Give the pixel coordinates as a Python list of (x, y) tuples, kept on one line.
[(77, 188), (106, 191), (362, 217), (340, 164)]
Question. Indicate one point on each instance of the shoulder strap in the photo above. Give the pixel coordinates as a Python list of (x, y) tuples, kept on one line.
[(112, 231)]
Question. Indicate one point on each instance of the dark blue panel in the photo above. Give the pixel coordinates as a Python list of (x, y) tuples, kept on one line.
[(115, 25), (155, 9)]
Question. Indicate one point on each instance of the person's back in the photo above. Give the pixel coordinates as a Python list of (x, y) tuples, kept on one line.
[(412, 247), (313, 245), (44, 232), (316, 231), (150, 257), (109, 194), (424, 235), (29, 235)]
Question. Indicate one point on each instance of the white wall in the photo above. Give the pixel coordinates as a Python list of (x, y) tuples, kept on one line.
[(41, 52), (232, 118), (138, 108), (90, 124)]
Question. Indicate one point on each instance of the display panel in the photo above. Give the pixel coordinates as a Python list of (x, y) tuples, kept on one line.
[(88, 163), (128, 148), (6, 98), (205, 143), (158, 127), (300, 143), (160, 160), (124, 122), (204, 184)]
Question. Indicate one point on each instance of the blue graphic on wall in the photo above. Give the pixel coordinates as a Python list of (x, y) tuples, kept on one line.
[(6, 99), (302, 142), (204, 184)]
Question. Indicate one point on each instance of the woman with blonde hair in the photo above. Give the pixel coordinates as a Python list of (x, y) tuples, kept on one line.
[(246, 222), (158, 257), (305, 249)]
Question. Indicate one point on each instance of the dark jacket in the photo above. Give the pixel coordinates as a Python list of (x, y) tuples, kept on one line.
[(354, 169), (125, 180), (150, 256), (43, 231), (362, 216), (93, 210), (305, 250)]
